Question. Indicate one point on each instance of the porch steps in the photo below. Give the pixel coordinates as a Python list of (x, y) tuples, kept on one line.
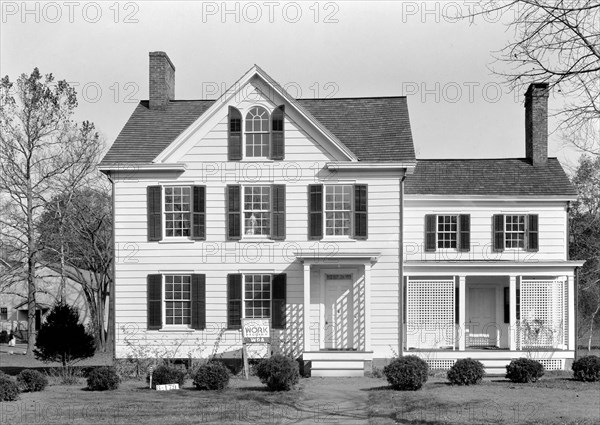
[(337, 363), (495, 367)]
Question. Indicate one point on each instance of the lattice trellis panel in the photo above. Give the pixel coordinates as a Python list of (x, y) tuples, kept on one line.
[(440, 364), (430, 313), (543, 313), (552, 364)]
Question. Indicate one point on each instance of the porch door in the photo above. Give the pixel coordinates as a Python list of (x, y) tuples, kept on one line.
[(481, 314), (339, 313)]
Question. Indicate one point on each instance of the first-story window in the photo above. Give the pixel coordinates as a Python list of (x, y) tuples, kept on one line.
[(178, 299), (257, 210), (338, 210), (177, 211), (514, 231), (257, 296), (447, 230), (3, 313)]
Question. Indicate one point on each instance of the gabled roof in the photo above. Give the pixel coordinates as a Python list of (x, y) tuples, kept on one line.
[(374, 129), (489, 177)]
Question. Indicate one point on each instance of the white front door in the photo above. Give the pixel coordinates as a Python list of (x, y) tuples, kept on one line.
[(339, 313), (481, 316)]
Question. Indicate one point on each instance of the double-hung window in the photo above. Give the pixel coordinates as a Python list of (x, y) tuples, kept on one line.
[(447, 231), (257, 296), (338, 210), (177, 211), (514, 231), (257, 133), (3, 313), (177, 299), (257, 211)]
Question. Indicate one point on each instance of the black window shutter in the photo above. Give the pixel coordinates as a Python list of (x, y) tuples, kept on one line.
[(277, 134), (278, 212), (154, 207), (464, 241), (360, 211), (234, 212), (506, 305), (234, 134), (498, 232), (234, 301), (154, 296), (198, 301), (315, 211), (456, 305), (532, 232), (199, 213), (278, 301), (430, 224)]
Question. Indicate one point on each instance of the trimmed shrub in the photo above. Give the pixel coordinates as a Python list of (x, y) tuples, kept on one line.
[(9, 390), (211, 376), (278, 372), (30, 380), (103, 379), (3, 337), (587, 369), (524, 370), (407, 373), (466, 372), (167, 375)]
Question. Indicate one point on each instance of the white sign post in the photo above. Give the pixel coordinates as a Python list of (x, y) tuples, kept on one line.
[(254, 331)]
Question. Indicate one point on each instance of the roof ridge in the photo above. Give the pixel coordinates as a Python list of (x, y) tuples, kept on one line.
[(478, 159), (352, 97)]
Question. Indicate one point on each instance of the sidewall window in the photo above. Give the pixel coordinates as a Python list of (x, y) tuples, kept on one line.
[(257, 133), (178, 300), (447, 231), (257, 211), (514, 231), (338, 210), (257, 296), (177, 203)]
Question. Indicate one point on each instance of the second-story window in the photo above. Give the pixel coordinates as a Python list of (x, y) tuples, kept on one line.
[(257, 133), (177, 211), (257, 210), (514, 231), (338, 210), (447, 231)]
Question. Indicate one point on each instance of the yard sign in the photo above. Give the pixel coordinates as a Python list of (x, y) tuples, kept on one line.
[(256, 331)]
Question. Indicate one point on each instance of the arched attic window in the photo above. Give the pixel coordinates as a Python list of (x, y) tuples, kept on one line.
[(257, 133)]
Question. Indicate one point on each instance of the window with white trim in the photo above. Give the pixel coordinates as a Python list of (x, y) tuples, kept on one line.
[(178, 309), (514, 231), (257, 133), (177, 211), (257, 296), (447, 231), (338, 210), (257, 211)]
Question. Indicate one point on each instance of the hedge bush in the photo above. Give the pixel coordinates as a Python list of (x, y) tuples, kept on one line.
[(9, 390), (466, 372), (407, 373), (279, 373), (211, 376), (167, 375), (587, 369), (30, 380), (103, 379), (524, 370)]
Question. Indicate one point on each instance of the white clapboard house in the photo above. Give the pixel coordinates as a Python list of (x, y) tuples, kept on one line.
[(315, 214)]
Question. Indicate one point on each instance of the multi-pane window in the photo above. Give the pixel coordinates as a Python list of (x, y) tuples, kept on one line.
[(257, 210), (177, 211), (447, 229), (514, 231), (178, 300), (3, 313), (338, 209), (257, 132), (257, 296)]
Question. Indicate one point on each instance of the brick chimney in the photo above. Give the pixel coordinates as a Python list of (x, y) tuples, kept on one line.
[(536, 123), (162, 80)]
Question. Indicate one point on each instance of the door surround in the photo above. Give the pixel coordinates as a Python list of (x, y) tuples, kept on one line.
[(353, 272)]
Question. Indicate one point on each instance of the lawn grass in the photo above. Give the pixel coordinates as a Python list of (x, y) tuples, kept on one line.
[(556, 399)]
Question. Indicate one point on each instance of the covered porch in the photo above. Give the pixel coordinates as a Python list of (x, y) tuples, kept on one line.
[(337, 313), (490, 311)]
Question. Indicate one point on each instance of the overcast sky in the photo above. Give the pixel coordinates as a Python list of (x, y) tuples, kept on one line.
[(457, 107)]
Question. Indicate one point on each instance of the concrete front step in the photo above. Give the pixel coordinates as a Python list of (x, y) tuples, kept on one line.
[(337, 372)]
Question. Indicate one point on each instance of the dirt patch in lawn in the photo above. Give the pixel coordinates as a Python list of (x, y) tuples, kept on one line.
[(552, 400)]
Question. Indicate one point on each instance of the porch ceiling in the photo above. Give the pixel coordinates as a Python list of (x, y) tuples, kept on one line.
[(490, 267)]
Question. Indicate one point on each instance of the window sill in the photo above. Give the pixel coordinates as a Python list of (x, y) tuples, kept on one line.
[(338, 239), (257, 160), (256, 240), (176, 241), (176, 329)]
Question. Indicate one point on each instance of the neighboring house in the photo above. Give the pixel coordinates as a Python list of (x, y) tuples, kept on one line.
[(258, 205), (14, 306)]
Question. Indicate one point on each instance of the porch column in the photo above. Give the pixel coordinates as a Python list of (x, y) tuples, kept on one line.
[(306, 307), (571, 312), (368, 306), (462, 313), (512, 325)]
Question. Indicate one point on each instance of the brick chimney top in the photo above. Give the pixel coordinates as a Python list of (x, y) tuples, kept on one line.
[(162, 80), (536, 123)]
